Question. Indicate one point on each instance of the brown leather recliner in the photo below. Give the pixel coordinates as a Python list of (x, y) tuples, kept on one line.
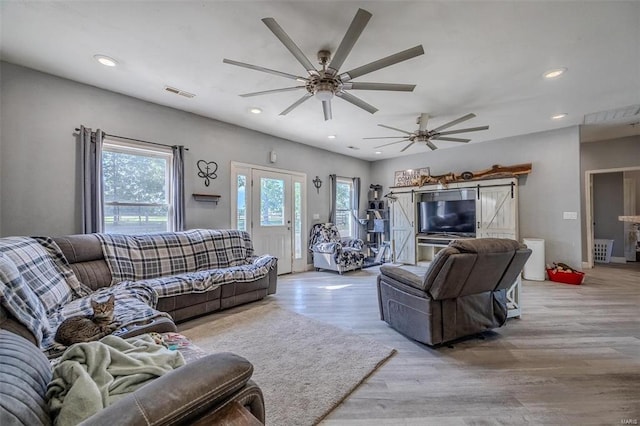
[(461, 293)]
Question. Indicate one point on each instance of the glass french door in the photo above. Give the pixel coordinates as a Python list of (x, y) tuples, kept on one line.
[(270, 204), (271, 216)]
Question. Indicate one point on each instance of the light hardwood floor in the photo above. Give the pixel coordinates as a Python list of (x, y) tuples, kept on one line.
[(573, 358)]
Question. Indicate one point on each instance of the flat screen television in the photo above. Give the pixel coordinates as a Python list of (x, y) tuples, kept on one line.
[(451, 217)]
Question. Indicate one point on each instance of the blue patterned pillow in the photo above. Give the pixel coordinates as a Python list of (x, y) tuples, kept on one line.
[(44, 268), (21, 301)]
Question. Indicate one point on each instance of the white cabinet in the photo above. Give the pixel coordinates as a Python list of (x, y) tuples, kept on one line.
[(496, 217)]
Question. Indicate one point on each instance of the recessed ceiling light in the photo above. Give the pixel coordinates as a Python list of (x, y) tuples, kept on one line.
[(255, 111), (554, 73), (559, 116), (378, 152), (331, 137), (105, 60)]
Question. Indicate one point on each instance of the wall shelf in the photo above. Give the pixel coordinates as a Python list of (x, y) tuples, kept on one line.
[(211, 198)]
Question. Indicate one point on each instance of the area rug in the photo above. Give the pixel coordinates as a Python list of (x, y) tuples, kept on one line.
[(305, 368)]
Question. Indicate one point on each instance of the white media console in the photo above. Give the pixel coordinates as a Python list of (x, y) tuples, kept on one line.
[(496, 215)]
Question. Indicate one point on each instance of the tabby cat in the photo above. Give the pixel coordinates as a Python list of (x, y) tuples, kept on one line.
[(81, 328)]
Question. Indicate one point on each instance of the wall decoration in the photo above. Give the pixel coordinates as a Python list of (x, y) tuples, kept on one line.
[(410, 177), (317, 183), (421, 177), (494, 172), (207, 170)]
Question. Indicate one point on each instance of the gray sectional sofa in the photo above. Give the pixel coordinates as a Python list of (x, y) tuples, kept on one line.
[(157, 280), (86, 258)]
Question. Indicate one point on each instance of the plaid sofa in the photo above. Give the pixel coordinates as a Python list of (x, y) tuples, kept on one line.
[(158, 279)]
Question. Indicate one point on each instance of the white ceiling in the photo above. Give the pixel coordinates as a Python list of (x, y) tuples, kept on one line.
[(481, 57)]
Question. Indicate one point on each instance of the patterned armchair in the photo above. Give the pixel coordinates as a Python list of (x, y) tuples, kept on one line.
[(330, 251)]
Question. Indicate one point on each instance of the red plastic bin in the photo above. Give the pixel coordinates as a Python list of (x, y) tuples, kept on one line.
[(575, 278)]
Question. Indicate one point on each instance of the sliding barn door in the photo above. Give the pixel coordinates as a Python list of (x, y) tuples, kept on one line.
[(403, 235), (497, 212)]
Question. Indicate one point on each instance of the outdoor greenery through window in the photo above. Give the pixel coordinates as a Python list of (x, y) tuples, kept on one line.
[(271, 202), (241, 218), (136, 184), (344, 218)]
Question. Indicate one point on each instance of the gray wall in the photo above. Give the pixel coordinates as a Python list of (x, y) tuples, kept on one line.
[(608, 154), (39, 164), (635, 175), (552, 187), (608, 204)]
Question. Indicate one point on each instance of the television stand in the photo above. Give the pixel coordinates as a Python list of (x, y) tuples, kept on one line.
[(428, 245)]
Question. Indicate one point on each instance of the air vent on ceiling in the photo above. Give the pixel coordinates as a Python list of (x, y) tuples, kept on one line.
[(355, 148), (179, 92), (613, 115)]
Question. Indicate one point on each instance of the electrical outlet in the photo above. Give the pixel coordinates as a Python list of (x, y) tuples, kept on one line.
[(570, 215), (316, 216)]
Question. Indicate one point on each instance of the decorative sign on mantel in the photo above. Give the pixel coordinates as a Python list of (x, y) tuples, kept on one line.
[(410, 177), (421, 177)]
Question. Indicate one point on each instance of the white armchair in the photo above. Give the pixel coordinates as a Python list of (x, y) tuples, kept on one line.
[(332, 252)]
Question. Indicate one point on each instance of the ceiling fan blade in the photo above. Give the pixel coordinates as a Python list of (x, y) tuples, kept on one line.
[(393, 128), (450, 139), (306, 96), (431, 145), (407, 147), (263, 69), (424, 119), (357, 102), (391, 143), (380, 86), (326, 108), (382, 63), (453, 123), (284, 38), (470, 129), (351, 36), (265, 92), (386, 137)]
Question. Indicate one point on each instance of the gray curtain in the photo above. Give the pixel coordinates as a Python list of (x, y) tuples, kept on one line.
[(177, 192), (355, 204), (91, 177), (332, 199)]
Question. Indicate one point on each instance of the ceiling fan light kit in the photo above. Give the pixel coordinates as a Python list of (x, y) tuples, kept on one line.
[(327, 82)]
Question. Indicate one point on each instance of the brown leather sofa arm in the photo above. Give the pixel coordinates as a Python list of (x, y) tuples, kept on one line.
[(186, 394)]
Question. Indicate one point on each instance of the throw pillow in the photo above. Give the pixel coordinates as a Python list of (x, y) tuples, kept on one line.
[(21, 301)]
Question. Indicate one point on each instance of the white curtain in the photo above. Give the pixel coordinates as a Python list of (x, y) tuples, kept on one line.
[(91, 177)]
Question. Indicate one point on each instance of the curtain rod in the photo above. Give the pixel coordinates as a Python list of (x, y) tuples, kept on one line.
[(137, 140)]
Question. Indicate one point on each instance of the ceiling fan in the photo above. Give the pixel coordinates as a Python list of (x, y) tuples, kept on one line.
[(427, 136), (327, 82)]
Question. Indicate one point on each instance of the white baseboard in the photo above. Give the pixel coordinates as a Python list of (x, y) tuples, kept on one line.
[(618, 259)]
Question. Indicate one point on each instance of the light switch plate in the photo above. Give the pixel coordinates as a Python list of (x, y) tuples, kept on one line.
[(316, 216), (570, 215)]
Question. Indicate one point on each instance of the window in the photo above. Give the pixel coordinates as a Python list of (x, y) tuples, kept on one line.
[(272, 199), (344, 217), (241, 210), (136, 185)]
